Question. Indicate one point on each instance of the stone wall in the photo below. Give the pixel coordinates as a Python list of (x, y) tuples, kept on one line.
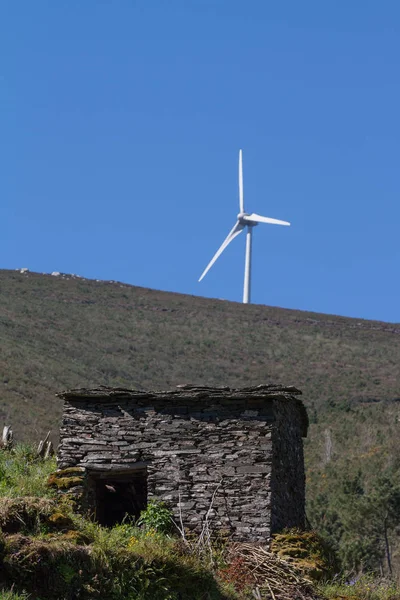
[(208, 452)]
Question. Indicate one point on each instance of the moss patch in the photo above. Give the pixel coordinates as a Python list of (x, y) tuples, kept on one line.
[(64, 479), (307, 552), (64, 483)]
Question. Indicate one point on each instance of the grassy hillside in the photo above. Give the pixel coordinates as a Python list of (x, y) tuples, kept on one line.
[(59, 332), (62, 332)]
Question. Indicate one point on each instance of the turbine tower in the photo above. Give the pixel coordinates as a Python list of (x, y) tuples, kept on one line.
[(243, 220)]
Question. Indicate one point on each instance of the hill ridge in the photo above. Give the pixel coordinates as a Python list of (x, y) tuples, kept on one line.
[(71, 276)]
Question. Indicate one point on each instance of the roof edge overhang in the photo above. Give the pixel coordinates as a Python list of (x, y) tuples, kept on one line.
[(185, 392)]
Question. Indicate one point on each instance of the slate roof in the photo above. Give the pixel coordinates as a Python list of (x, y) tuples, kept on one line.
[(187, 392)]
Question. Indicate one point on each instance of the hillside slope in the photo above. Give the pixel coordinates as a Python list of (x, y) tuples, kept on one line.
[(61, 332)]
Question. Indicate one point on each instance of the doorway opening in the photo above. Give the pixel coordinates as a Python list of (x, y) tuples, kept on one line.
[(119, 495)]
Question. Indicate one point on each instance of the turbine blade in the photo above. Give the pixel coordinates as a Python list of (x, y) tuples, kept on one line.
[(241, 202), (260, 219), (231, 235)]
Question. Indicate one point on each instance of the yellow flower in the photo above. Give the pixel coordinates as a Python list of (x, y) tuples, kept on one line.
[(132, 542)]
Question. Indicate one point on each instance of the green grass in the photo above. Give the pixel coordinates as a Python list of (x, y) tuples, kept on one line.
[(127, 562), (365, 588), (23, 474), (57, 558), (10, 595), (122, 563)]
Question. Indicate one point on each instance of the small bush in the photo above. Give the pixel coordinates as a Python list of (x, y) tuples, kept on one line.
[(157, 516)]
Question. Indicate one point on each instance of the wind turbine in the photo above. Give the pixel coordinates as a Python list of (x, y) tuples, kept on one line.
[(243, 220)]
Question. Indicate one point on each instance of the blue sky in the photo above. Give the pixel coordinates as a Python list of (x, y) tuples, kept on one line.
[(121, 124)]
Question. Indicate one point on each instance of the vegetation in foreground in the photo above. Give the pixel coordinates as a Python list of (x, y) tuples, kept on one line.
[(63, 332), (49, 552)]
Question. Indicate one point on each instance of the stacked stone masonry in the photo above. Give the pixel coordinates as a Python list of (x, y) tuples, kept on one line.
[(233, 457)]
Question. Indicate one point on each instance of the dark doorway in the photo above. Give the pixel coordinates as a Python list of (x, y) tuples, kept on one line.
[(118, 496)]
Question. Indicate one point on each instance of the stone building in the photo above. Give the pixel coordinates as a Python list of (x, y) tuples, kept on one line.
[(233, 457)]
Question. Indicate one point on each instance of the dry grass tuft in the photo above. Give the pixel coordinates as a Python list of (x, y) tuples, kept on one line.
[(31, 514), (17, 514)]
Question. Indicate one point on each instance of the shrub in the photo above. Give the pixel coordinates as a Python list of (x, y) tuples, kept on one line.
[(157, 516)]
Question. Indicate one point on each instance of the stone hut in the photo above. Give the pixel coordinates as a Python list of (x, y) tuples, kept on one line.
[(231, 457)]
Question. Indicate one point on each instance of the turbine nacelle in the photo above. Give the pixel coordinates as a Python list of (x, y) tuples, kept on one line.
[(245, 220)]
